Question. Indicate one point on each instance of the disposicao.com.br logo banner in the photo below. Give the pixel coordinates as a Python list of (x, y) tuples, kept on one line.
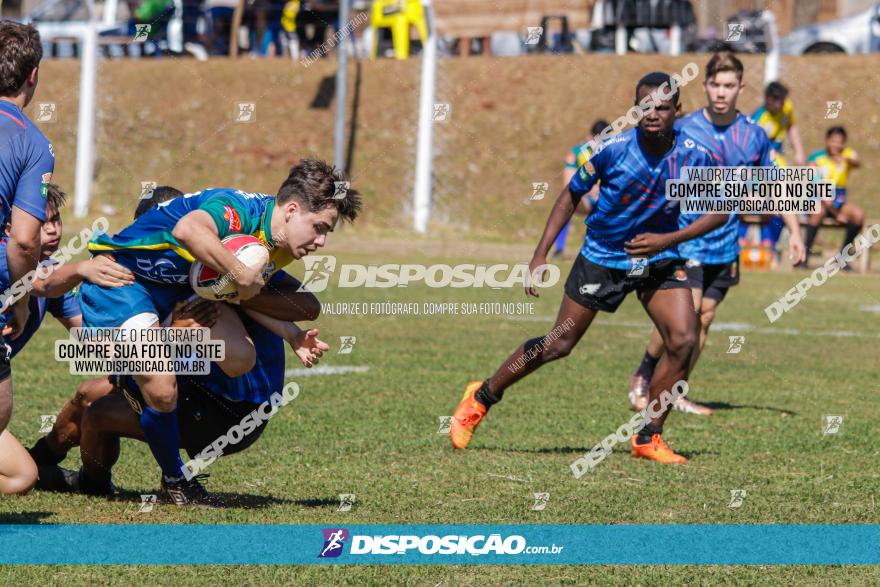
[(431, 543), (425, 544)]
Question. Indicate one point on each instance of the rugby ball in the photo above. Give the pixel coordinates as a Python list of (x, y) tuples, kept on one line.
[(210, 285)]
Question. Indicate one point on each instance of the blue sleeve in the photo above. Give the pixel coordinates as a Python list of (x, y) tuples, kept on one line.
[(588, 173), (67, 306), (765, 151), (711, 159), (278, 278), (30, 194)]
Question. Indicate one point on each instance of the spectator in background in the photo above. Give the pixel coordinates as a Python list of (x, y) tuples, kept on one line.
[(219, 25), (574, 161), (263, 18), (288, 27), (155, 13), (834, 163), (776, 117), (312, 20)]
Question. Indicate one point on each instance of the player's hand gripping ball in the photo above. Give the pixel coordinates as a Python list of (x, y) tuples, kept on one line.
[(210, 285)]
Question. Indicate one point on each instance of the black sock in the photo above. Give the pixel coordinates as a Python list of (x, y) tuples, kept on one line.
[(95, 486), (485, 397), (646, 369), (43, 455), (852, 230), (645, 434), (810, 232)]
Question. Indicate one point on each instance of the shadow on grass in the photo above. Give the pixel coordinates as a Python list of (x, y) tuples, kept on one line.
[(560, 450), (317, 503), (619, 449), (727, 406), (227, 500), (25, 517)]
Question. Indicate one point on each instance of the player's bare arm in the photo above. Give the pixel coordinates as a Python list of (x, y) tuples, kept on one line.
[(22, 255), (284, 300), (305, 343), (101, 270), (794, 135), (197, 233), (560, 215), (797, 252), (652, 243)]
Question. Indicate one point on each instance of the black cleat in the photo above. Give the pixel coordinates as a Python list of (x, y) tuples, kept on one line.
[(185, 491), (54, 478)]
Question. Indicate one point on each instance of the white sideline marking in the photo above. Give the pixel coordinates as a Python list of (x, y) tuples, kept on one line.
[(875, 308), (326, 370), (718, 326)]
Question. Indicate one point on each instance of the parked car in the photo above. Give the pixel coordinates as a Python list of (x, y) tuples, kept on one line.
[(68, 19), (859, 33), (647, 24)]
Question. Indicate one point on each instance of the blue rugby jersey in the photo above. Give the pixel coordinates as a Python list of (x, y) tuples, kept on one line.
[(27, 162), (632, 195), (258, 384), (742, 143)]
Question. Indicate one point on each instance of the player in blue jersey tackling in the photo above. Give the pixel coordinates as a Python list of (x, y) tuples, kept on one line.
[(631, 245), (105, 409), (159, 248), (713, 259)]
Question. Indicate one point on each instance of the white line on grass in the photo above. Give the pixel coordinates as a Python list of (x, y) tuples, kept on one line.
[(326, 370)]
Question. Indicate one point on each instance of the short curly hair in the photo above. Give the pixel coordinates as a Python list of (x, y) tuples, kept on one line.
[(20, 53), (318, 185)]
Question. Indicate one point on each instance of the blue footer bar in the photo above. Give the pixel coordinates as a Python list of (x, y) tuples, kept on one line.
[(768, 544)]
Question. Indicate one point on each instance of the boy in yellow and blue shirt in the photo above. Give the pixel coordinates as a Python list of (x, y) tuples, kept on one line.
[(834, 163)]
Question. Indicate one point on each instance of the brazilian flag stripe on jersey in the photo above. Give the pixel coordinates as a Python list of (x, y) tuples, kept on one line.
[(148, 248)]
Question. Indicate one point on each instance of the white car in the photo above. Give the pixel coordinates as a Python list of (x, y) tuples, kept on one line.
[(859, 33), (68, 19)]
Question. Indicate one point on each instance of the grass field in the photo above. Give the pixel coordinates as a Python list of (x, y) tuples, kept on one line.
[(374, 433)]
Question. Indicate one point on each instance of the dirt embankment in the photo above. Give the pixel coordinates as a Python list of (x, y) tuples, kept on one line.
[(510, 124)]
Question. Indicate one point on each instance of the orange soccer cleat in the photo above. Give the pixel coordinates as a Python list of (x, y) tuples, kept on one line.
[(467, 416), (656, 450)]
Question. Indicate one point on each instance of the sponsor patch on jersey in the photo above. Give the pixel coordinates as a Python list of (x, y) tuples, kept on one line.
[(231, 216), (586, 171), (44, 186)]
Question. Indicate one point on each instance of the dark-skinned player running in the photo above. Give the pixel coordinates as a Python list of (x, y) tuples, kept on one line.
[(631, 245)]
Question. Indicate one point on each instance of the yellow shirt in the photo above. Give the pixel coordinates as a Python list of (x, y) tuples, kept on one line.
[(838, 172), (775, 125)]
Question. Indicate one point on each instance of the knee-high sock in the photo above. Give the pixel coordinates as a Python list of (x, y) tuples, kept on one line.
[(810, 232), (852, 230), (160, 430)]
